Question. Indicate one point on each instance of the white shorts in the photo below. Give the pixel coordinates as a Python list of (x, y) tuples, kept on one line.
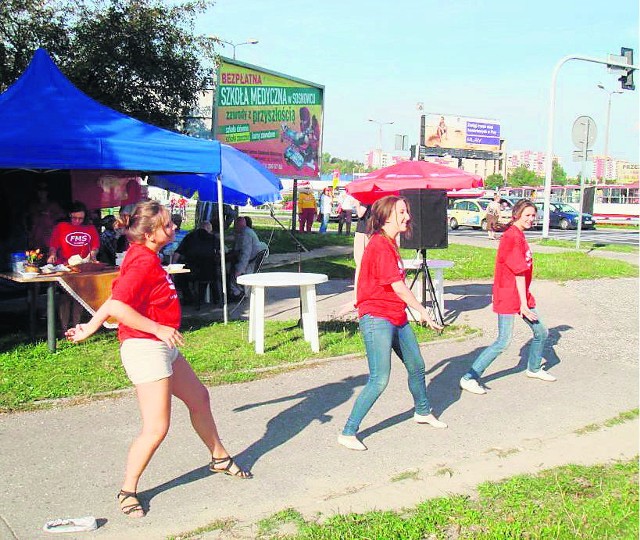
[(147, 360)]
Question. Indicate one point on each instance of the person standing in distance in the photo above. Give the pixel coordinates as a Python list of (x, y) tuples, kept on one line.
[(145, 303), (382, 299), (511, 299)]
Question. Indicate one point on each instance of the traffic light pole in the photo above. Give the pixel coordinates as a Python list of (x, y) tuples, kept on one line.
[(552, 107)]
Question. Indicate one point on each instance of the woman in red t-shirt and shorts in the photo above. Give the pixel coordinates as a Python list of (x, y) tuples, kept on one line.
[(511, 299), (382, 299), (146, 305)]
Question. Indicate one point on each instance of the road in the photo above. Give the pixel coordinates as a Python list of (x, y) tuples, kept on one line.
[(603, 236)]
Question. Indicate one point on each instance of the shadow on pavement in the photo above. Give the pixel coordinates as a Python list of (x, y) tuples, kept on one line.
[(471, 297), (196, 474), (314, 405), (551, 357)]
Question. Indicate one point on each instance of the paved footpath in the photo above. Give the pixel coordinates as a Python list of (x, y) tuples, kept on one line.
[(67, 461)]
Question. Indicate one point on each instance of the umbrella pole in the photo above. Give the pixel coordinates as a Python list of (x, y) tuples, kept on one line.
[(223, 260)]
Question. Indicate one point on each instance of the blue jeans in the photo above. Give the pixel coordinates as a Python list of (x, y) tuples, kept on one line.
[(324, 223), (380, 337), (505, 333)]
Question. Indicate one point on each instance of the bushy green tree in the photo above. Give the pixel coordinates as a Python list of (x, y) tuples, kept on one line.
[(558, 174), (26, 25), (522, 176), (140, 57), (345, 166), (494, 181)]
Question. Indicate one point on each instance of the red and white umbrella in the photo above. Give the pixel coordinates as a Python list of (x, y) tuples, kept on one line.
[(410, 175)]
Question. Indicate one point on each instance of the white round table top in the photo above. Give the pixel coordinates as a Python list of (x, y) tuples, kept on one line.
[(281, 279)]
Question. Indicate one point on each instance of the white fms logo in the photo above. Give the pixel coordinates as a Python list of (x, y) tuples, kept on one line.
[(78, 239)]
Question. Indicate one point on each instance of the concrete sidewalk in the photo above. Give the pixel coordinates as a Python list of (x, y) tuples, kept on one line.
[(68, 461)]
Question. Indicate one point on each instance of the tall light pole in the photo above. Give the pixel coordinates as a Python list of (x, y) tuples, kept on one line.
[(234, 45), (606, 128), (380, 124)]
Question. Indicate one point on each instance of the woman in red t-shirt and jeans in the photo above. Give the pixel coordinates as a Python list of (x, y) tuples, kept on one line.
[(382, 299), (511, 299), (145, 303)]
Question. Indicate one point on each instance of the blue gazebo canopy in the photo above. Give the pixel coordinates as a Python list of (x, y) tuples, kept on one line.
[(47, 123)]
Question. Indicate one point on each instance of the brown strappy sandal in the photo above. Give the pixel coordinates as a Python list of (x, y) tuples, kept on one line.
[(128, 509), (245, 475)]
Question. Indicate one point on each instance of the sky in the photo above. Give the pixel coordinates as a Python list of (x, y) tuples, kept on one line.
[(495, 59)]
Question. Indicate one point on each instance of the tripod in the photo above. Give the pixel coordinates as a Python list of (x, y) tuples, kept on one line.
[(427, 285)]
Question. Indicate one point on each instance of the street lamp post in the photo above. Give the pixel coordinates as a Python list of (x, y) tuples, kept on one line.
[(234, 45), (606, 128), (380, 124)]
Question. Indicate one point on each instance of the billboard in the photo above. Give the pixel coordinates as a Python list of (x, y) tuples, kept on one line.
[(460, 132), (274, 118)]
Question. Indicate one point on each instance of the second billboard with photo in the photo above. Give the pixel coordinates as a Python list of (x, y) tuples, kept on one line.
[(461, 132), (274, 118)]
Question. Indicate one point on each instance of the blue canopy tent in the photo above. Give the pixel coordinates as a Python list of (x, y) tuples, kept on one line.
[(47, 123)]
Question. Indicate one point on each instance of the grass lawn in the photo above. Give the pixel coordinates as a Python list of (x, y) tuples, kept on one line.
[(586, 246), (221, 354), (570, 502), (478, 263), (218, 353)]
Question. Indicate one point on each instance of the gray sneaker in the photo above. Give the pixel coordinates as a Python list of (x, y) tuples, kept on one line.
[(471, 385)]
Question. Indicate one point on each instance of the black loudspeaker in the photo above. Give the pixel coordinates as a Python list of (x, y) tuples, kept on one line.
[(428, 208)]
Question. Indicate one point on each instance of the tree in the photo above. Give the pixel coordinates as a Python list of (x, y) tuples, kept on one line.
[(558, 174), (494, 181), (26, 25), (345, 166), (139, 57), (522, 176)]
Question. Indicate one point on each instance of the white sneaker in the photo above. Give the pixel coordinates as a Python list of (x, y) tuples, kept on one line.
[(351, 442), (542, 375), (471, 385), (429, 419)]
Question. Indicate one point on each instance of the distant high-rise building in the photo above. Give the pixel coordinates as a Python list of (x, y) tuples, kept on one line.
[(534, 161), (618, 170), (376, 159)]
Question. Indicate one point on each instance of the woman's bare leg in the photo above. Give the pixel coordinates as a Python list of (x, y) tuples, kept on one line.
[(186, 386), (154, 400)]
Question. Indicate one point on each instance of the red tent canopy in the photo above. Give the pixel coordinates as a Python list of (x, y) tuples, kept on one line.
[(410, 175)]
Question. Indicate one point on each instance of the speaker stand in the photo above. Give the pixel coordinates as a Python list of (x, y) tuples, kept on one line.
[(427, 285)]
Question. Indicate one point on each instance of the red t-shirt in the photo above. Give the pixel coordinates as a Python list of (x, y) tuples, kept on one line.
[(381, 266), (70, 240), (513, 259), (147, 287)]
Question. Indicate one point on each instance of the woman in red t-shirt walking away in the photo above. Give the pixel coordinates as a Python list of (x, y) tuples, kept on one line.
[(511, 299), (145, 303), (382, 299)]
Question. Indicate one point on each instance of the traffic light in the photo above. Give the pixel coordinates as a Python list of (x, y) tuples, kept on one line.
[(627, 79)]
